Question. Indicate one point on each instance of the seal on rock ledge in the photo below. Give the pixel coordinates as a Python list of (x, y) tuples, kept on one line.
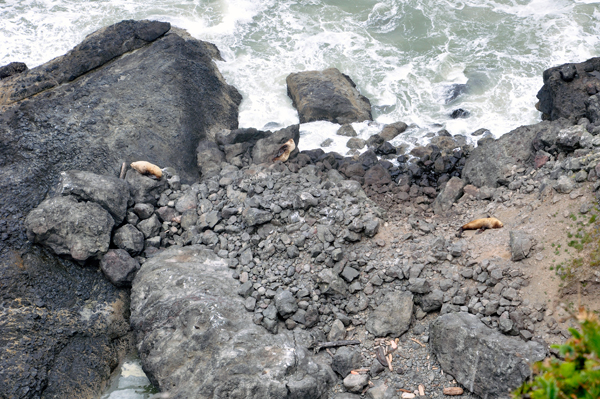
[(284, 151), (480, 225)]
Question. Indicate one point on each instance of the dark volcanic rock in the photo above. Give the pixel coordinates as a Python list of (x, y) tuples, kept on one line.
[(111, 193), (130, 239), (155, 104), (393, 316), (224, 352), (77, 229), (209, 158), (119, 267), (144, 188), (327, 95), (64, 328), (96, 50), (567, 89), (12, 69), (484, 361)]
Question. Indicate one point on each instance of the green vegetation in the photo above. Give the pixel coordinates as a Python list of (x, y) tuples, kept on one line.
[(578, 375)]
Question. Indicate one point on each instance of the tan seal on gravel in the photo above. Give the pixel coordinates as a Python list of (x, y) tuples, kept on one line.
[(284, 151), (146, 168), (480, 225)]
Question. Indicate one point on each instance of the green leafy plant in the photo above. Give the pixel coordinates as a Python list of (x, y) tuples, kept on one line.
[(578, 375)]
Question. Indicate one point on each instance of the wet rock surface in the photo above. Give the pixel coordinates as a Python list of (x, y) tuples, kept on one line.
[(327, 95)]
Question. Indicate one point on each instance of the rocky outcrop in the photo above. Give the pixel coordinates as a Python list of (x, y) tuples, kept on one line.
[(327, 95), (90, 110), (567, 90), (64, 327), (196, 339), (491, 162), (112, 113), (484, 361)]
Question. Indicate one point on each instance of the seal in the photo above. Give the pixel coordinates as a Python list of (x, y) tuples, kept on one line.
[(284, 151), (480, 225), (146, 168)]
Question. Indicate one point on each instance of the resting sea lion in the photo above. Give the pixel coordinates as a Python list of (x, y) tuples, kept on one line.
[(146, 168), (480, 225), (285, 150)]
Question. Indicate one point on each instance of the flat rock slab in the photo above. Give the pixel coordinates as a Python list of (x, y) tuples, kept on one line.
[(195, 338), (483, 360), (327, 95)]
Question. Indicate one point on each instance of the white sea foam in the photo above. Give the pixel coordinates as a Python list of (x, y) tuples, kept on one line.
[(404, 55)]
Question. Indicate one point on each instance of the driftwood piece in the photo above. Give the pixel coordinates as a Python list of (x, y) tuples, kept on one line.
[(320, 345)]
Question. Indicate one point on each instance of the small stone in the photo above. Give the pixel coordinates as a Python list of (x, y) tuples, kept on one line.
[(337, 332), (356, 382)]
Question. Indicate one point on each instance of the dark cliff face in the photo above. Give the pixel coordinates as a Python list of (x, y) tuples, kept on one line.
[(567, 89), (132, 91)]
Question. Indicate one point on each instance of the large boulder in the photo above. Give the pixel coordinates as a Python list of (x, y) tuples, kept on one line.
[(195, 338), (483, 360), (80, 230), (110, 192), (393, 316), (492, 160), (64, 328), (567, 89), (327, 95)]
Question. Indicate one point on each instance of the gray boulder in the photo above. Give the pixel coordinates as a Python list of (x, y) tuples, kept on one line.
[(254, 216), (449, 195), (492, 160), (285, 303), (119, 267), (111, 193), (224, 352), (327, 95), (389, 132), (209, 158), (520, 245), (130, 239), (345, 360), (144, 189), (484, 361), (392, 316), (80, 230)]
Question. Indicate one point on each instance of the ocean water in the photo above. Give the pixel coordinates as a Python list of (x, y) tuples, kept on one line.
[(406, 56)]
